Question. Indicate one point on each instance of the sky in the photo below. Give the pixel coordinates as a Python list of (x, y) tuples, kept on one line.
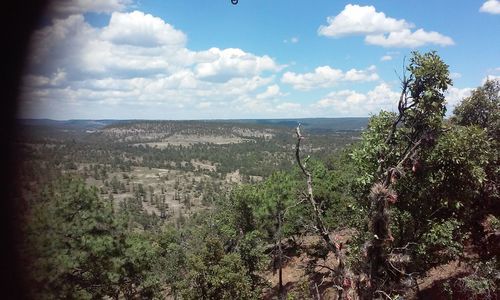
[(199, 59)]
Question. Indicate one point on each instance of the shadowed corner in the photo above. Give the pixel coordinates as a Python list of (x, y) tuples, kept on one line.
[(19, 19)]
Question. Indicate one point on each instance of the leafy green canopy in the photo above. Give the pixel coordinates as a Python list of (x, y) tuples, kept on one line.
[(81, 249), (448, 187)]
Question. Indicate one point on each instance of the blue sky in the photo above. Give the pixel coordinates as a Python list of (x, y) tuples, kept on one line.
[(124, 59)]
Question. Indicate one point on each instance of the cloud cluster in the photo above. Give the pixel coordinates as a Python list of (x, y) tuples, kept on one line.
[(408, 39), (379, 29), (140, 66), (454, 96), (63, 8), (220, 65), (490, 77), (326, 76), (352, 103), (491, 7), (139, 61), (142, 30)]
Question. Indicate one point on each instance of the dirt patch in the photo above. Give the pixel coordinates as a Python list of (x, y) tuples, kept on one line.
[(246, 132), (233, 177), (204, 165), (302, 273), (187, 140), (181, 191)]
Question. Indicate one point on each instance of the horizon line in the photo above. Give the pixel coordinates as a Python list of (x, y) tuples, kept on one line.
[(214, 119)]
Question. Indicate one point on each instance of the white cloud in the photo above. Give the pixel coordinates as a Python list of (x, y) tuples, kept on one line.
[(57, 79), (386, 58), (454, 96), (325, 76), (407, 39), (382, 97), (142, 30), (139, 64), (379, 29), (352, 103), (63, 8), (289, 106), (360, 20), (271, 91), (491, 7), (490, 77), (233, 62)]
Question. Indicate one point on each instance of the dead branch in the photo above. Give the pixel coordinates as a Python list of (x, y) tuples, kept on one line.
[(405, 247), (325, 267), (332, 245), (402, 107), (383, 294)]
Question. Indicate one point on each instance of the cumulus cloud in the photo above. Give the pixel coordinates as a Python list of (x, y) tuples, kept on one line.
[(326, 76), (454, 96), (381, 97), (490, 77), (231, 62), (490, 7), (142, 30), (352, 103), (379, 29), (360, 20), (61, 8), (408, 39), (289, 107), (139, 61), (272, 91)]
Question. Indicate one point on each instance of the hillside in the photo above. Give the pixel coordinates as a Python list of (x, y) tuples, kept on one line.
[(406, 208)]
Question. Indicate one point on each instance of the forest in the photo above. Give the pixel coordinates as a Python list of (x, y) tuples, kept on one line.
[(403, 205)]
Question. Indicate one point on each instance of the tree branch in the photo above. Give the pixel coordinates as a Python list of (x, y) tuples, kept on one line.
[(332, 245)]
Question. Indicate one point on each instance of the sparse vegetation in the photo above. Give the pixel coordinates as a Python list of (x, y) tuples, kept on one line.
[(220, 210)]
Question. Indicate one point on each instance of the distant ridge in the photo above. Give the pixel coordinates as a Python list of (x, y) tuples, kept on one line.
[(316, 124), (311, 123)]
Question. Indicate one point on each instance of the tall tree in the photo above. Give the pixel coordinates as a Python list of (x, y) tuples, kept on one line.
[(396, 142)]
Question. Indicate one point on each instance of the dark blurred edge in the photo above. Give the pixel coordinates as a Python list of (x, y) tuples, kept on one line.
[(18, 20)]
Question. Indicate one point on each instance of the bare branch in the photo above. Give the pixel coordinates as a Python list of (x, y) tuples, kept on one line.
[(383, 294), (326, 267), (405, 247), (332, 245), (402, 107), (297, 152)]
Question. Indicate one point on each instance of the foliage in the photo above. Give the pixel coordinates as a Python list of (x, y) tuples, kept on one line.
[(84, 251), (440, 244), (447, 187), (481, 108), (367, 152), (483, 282), (82, 246), (214, 274), (429, 80)]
